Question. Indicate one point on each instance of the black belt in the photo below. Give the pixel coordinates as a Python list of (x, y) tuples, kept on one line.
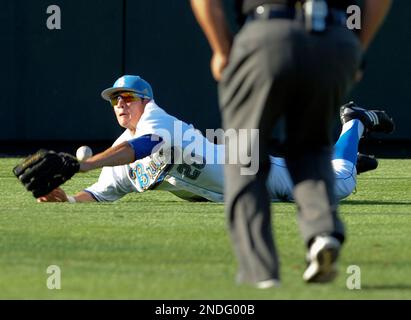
[(266, 12)]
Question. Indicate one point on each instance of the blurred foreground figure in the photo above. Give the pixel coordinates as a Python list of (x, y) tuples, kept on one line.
[(295, 59)]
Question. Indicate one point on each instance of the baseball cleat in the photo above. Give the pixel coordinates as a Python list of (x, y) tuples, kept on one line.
[(267, 284), (322, 260), (264, 284), (373, 120), (365, 163)]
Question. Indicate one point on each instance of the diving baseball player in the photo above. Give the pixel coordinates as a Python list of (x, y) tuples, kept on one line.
[(159, 151)]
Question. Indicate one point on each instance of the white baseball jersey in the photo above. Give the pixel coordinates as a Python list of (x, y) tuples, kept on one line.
[(203, 179), (186, 180)]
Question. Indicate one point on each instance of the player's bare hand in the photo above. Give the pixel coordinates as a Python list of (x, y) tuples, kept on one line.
[(57, 195), (218, 63)]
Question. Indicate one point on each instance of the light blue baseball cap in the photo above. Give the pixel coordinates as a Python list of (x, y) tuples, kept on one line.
[(129, 83)]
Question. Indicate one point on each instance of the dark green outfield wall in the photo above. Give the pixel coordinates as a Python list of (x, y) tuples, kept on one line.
[(51, 80), (387, 82)]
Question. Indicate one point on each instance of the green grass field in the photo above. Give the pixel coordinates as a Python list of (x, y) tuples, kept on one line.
[(156, 246)]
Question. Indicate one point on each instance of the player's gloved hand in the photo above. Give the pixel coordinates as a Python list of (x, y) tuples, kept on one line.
[(45, 170)]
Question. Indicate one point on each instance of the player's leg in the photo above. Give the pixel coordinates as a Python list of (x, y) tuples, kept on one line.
[(279, 184), (355, 121), (365, 163), (346, 160), (373, 120), (346, 147)]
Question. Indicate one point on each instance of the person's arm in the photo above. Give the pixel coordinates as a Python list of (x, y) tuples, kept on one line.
[(124, 153), (59, 195), (84, 196), (211, 18), (374, 13), (114, 156)]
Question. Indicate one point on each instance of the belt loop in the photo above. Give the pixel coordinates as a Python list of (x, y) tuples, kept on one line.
[(262, 11), (316, 15), (299, 14)]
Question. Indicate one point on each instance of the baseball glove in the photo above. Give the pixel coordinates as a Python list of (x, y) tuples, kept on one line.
[(45, 170)]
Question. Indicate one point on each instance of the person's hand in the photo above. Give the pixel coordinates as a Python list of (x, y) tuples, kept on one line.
[(45, 170), (57, 195), (218, 63)]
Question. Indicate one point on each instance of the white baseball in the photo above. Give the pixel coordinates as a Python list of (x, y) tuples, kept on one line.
[(83, 153)]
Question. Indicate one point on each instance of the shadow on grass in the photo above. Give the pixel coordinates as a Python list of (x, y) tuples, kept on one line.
[(399, 286), (373, 202)]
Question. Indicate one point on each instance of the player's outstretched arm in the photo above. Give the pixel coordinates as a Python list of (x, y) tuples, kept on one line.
[(114, 156), (125, 153), (119, 155), (46, 170)]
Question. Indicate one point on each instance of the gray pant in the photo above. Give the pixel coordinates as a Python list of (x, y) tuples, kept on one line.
[(278, 69)]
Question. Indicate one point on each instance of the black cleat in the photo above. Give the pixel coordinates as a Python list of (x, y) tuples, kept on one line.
[(366, 163), (373, 120)]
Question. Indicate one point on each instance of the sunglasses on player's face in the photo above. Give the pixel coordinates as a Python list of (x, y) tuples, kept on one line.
[(126, 96)]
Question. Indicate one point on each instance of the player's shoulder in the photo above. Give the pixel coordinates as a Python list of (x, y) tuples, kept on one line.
[(153, 110), (155, 117), (125, 136)]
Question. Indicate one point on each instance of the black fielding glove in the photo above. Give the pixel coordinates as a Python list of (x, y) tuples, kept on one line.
[(46, 170)]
